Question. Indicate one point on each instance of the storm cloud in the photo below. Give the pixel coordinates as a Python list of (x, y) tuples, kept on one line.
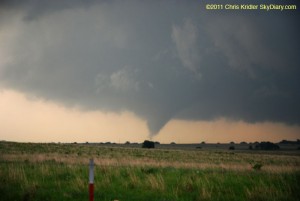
[(161, 60)]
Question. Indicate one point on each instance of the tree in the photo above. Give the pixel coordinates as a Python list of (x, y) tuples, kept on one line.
[(267, 146), (148, 144)]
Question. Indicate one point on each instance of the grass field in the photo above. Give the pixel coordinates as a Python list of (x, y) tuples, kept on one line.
[(60, 172)]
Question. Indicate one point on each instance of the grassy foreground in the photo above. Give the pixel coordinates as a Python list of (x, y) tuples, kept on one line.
[(60, 172)]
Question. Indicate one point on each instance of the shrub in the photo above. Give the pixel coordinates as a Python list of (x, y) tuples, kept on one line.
[(257, 166), (148, 144), (231, 148)]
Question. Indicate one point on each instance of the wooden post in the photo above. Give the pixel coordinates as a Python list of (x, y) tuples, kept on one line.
[(91, 180)]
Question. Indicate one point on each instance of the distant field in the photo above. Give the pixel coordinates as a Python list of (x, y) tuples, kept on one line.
[(55, 172)]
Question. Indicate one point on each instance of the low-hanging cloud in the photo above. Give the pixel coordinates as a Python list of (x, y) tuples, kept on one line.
[(185, 39), (147, 57)]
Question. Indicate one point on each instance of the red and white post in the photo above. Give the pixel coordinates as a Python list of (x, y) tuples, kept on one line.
[(91, 180)]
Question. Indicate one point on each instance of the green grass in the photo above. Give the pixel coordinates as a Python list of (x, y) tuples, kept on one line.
[(57, 172)]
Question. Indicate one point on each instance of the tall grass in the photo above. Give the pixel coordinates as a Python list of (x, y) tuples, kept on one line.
[(49, 173)]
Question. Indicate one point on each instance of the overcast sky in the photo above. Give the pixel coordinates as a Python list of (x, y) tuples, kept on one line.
[(138, 69)]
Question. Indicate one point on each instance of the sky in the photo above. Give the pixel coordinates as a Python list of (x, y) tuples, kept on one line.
[(170, 71)]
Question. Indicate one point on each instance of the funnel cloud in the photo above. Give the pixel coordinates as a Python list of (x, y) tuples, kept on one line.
[(162, 60)]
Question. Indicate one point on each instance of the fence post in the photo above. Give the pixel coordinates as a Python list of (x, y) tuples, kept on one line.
[(91, 180)]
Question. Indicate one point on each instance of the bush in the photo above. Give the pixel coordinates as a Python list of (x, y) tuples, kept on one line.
[(257, 166), (231, 148), (148, 144)]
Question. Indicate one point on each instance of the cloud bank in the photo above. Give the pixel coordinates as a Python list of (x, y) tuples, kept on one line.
[(161, 60)]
